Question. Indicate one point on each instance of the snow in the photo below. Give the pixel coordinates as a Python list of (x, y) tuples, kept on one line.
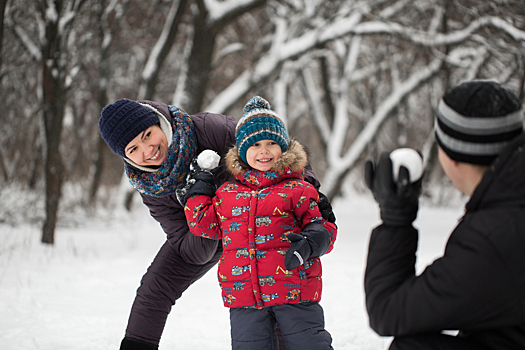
[(208, 159), (410, 159), (77, 294)]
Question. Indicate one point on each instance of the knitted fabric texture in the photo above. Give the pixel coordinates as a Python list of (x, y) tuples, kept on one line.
[(258, 123), (173, 171), (476, 120), (122, 121)]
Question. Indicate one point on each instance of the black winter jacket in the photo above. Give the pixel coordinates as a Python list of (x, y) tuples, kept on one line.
[(477, 286)]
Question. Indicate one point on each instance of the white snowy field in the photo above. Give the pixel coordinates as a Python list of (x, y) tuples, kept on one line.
[(76, 294)]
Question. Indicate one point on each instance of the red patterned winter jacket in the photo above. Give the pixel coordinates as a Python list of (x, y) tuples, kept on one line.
[(253, 216)]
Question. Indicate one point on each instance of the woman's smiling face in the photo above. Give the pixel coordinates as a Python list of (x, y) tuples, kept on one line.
[(149, 148)]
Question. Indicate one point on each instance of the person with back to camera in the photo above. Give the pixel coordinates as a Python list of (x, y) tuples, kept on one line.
[(478, 286), (157, 143), (272, 234)]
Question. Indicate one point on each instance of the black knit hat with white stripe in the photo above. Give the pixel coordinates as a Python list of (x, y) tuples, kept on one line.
[(476, 120)]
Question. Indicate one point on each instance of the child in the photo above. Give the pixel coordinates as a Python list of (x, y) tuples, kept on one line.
[(272, 234)]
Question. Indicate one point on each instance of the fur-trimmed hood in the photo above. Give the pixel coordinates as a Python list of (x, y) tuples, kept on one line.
[(294, 158)]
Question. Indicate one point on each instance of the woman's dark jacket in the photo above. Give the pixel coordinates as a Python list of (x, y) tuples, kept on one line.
[(477, 286), (184, 258)]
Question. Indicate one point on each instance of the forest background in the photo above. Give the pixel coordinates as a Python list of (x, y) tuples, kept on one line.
[(351, 78)]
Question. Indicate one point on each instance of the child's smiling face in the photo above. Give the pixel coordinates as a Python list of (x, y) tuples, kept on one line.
[(263, 154)]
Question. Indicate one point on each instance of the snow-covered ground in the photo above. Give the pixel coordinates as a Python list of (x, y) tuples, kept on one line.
[(77, 294)]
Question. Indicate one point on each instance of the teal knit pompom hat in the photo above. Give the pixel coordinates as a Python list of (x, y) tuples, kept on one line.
[(258, 123)]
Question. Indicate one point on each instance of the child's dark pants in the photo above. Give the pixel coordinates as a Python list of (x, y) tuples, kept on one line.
[(302, 327)]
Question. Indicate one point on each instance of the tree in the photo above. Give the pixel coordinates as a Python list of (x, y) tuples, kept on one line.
[(370, 83), (108, 16), (3, 4), (156, 59), (209, 19), (55, 20), (352, 78)]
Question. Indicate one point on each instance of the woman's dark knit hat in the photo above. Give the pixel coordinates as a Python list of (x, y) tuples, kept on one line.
[(476, 120), (258, 123), (122, 121)]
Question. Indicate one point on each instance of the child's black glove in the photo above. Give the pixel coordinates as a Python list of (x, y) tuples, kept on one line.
[(398, 201), (198, 182), (313, 242)]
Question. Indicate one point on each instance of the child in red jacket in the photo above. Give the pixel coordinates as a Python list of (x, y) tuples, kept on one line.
[(272, 234)]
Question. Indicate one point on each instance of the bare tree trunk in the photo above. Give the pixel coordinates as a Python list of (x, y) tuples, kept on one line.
[(3, 167), (328, 101), (98, 166), (35, 164), (521, 92), (200, 60), (3, 4), (103, 74), (53, 113), (54, 100), (108, 19)]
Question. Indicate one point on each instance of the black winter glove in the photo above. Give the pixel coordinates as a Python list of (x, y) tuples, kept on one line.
[(398, 201), (198, 182), (326, 208), (313, 242), (135, 344)]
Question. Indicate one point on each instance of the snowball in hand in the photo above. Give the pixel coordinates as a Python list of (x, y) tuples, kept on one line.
[(208, 159), (410, 159)]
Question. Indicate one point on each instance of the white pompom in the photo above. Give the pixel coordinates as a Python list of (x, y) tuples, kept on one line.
[(410, 159), (208, 159)]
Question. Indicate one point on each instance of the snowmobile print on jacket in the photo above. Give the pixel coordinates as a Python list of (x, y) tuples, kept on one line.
[(253, 216)]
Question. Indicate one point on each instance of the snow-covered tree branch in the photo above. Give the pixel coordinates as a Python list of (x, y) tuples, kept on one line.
[(351, 77)]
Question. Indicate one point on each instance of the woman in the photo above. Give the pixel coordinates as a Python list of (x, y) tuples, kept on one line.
[(157, 143)]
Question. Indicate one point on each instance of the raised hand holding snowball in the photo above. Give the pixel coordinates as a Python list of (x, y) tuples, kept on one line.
[(396, 191), (201, 179)]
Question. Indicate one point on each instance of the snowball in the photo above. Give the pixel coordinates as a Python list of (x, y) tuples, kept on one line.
[(208, 159), (410, 159)]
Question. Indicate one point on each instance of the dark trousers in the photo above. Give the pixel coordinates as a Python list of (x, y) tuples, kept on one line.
[(301, 325), (172, 271), (433, 342), (169, 275)]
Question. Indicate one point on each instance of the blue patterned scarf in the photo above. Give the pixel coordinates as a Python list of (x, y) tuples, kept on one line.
[(172, 173)]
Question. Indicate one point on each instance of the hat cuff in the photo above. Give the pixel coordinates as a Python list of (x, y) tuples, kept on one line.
[(479, 126), (475, 140), (465, 158), (265, 134), (165, 124), (120, 149)]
